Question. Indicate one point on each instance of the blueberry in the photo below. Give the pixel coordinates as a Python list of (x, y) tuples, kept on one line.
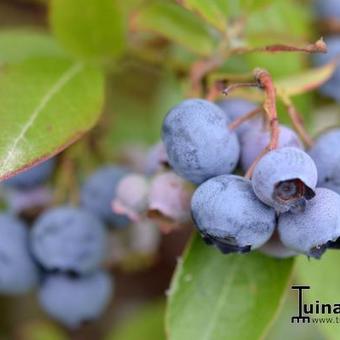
[(326, 155), (229, 215), (156, 159), (32, 177), (169, 198), (235, 108), (98, 193), (75, 300), (131, 196), (253, 141), (331, 87), (198, 141), (327, 9), (311, 231), (37, 199), (275, 248), (18, 272), (69, 239), (284, 179)]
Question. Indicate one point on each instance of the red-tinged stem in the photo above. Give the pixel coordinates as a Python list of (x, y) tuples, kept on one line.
[(237, 122), (265, 82), (298, 124), (318, 47)]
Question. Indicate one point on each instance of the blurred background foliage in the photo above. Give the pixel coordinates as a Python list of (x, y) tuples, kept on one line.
[(146, 49)]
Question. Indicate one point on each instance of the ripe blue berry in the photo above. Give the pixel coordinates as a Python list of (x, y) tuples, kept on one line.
[(198, 141), (253, 141), (284, 179), (326, 155), (327, 9), (18, 272), (331, 87), (229, 215), (75, 300), (235, 108), (32, 177), (311, 231), (99, 191), (69, 239), (156, 159)]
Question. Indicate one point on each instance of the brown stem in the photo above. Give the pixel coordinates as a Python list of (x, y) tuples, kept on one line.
[(199, 70), (298, 124), (233, 87), (237, 122), (318, 47), (265, 81)]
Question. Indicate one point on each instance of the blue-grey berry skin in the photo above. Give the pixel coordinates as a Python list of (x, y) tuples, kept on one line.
[(285, 179), (32, 177), (228, 214), (326, 155), (327, 9), (98, 192), (253, 141), (311, 231), (235, 108), (18, 272), (69, 239), (74, 301), (198, 141), (331, 87)]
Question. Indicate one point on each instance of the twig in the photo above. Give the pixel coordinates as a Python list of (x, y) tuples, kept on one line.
[(237, 122), (265, 81), (233, 87), (297, 122), (318, 47)]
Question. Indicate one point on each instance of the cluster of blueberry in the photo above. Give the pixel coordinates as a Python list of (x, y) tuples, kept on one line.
[(63, 250), (279, 210)]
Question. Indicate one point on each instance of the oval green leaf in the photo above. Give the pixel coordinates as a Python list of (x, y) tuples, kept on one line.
[(18, 45), (87, 28), (215, 12), (46, 104), (179, 25), (323, 277), (218, 297)]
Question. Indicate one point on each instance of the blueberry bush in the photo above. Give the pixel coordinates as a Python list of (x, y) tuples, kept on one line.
[(168, 169)]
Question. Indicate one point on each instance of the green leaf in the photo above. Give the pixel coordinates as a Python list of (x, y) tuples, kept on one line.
[(18, 45), (87, 28), (179, 25), (46, 104), (324, 279), (147, 323), (137, 118), (214, 11), (305, 81), (41, 330), (214, 296)]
